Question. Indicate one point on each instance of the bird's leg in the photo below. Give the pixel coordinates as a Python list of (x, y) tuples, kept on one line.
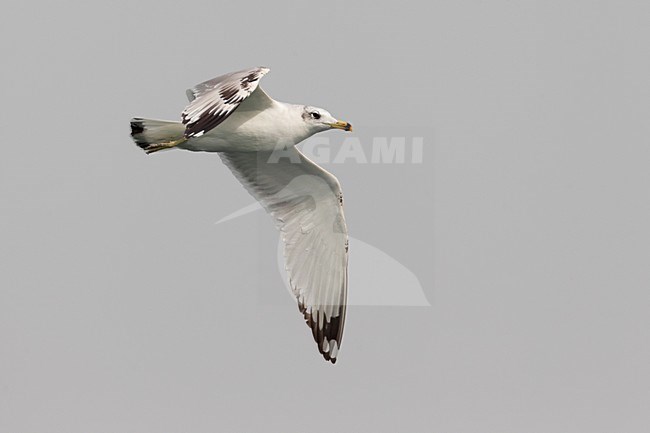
[(164, 145)]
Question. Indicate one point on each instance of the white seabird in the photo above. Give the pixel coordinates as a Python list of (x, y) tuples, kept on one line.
[(256, 137)]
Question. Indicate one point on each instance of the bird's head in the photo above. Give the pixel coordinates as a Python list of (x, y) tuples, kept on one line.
[(318, 119)]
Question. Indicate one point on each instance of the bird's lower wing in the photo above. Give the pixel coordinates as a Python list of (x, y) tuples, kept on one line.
[(306, 203)]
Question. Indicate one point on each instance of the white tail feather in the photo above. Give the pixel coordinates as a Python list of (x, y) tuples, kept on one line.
[(149, 132)]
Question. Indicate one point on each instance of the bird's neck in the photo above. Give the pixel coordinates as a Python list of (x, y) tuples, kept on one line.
[(289, 120)]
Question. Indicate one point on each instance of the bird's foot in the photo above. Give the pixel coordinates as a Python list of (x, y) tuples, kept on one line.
[(155, 147)]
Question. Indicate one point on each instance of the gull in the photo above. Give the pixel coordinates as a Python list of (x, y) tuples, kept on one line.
[(255, 136)]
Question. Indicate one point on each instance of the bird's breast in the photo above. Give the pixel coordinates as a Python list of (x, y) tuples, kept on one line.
[(248, 131)]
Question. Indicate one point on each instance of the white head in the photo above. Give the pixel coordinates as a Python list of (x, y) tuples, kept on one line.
[(318, 119)]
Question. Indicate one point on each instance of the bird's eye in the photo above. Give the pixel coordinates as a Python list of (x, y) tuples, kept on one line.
[(315, 115)]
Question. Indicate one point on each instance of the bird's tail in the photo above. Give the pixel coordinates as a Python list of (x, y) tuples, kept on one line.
[(154, 135)]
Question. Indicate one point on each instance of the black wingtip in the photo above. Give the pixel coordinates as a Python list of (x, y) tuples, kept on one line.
[(330, 332)]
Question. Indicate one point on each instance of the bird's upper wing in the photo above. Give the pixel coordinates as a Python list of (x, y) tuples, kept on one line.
[(307, 205), (212, 101)]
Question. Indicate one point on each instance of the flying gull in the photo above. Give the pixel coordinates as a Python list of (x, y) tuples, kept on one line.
[(255, 137)]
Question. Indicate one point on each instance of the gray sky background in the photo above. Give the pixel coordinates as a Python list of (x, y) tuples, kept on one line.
[(123, 308)]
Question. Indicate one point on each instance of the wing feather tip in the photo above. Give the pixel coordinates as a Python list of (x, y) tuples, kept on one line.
[(330, 354), (328, 339)]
